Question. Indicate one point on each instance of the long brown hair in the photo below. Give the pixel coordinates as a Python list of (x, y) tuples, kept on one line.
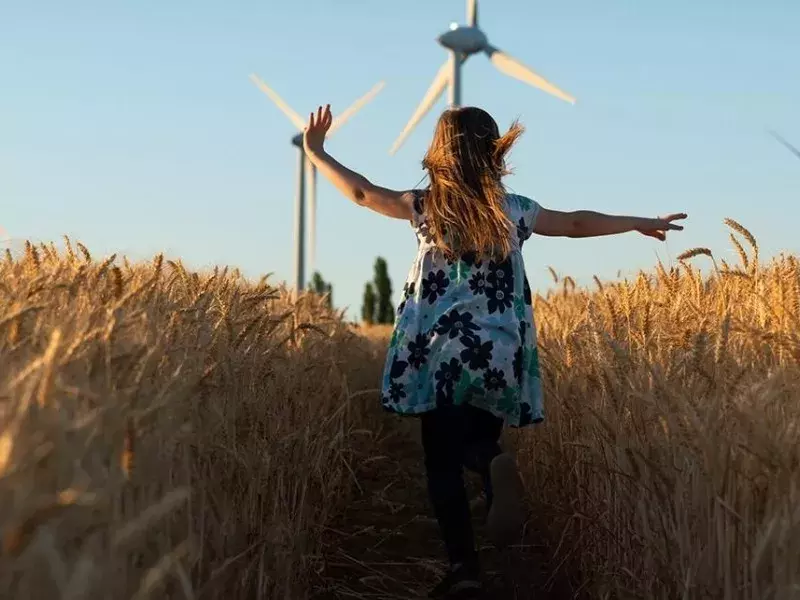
[(464, 204)]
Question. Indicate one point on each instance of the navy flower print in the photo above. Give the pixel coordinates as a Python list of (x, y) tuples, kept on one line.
[(434, 286), (501, 275), (408, 291), (517, 365), (523, 232), (498, 299), (471, 259), (446, 378), (477, 284), (418, 351), (525, 416), (396, 392), (527, 292), (494, 380), (398, 368), (476, 354), (455, 324)]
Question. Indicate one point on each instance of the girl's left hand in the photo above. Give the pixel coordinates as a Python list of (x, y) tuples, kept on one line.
[(316, 129), (658, 228)]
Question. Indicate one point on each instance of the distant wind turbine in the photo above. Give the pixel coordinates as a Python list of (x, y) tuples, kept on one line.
[(462, 42), (785, 143), (302, 163)]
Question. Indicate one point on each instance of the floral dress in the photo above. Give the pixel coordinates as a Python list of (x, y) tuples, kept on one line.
[(464, 331)]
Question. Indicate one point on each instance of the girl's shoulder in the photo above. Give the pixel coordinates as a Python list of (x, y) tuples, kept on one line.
[(418, 207)]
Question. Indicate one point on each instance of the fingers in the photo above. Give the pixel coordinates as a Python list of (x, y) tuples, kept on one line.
[(668, 225), (675, 217), (322, 118)]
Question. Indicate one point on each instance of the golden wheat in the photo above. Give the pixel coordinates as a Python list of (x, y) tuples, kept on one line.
[(669, 466), (158, 435), (175, 434)]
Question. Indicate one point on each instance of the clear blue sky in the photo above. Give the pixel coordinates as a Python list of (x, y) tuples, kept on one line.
[(133, 127)]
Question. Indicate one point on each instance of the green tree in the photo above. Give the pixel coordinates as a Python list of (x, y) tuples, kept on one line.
[(368, 308), (321, 287), (383, 288)]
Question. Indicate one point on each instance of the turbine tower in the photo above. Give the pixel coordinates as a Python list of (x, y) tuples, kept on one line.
[(307, 176), (462, 41)]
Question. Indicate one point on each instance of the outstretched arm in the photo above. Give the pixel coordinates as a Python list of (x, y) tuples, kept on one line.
[(587, 223), (356, 187)]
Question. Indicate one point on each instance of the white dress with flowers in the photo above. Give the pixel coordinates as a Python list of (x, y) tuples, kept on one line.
[(464, 332)]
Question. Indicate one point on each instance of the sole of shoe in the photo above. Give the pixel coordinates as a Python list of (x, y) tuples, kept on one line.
[(506, 516)]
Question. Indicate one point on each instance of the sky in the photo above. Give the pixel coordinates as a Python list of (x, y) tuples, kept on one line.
[(133, 126)]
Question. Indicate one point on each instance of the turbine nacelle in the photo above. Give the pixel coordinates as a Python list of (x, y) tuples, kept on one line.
[(464, 40)]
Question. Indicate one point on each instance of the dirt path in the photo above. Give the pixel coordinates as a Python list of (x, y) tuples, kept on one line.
[(386, 543)]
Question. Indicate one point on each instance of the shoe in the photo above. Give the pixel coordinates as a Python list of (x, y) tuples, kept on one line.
[(460, 582), (477, 503), (506, 515)]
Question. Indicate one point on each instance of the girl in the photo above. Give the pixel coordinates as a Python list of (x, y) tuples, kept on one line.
[(463, 354)]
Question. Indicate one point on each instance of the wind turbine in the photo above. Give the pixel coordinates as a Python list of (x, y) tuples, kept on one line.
[(462, 41), (307, 175)]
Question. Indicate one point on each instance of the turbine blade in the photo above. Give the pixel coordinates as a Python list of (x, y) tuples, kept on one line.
[(513, 68), (472, 13), (785, 143), (311, 190), (434, 91), (354, 108), (285, 108)]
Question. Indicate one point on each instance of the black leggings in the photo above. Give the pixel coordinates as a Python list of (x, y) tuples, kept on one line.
[(454, 437)]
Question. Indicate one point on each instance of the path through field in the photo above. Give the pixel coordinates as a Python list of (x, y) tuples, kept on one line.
[(385, 545)]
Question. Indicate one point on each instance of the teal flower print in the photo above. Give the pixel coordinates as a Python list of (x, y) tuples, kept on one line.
[(524, 203), (532, 361), (508, 400), (519, 308), (460, 270)]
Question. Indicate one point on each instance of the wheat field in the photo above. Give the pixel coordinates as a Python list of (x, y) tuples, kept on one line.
[(174, 434), (166, 433), (670, 463)]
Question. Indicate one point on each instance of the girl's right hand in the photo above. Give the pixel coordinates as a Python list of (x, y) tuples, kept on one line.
[(657, 228), (316, 129)]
